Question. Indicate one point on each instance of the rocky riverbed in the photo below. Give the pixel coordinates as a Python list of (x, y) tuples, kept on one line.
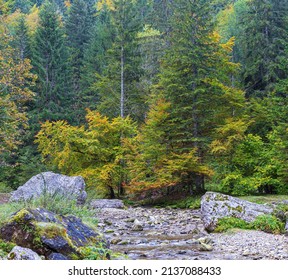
[(150, 233)]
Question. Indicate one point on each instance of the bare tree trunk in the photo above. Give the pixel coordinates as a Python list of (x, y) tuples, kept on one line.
[(122, 98)]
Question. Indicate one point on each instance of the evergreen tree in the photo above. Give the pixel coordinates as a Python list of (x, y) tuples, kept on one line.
[(118, 84), (50, 64), (95, 57), (195, 79), (21, 40), (78, 26), (264, 45)]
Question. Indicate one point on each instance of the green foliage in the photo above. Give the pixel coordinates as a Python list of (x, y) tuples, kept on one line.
[(5, 248), (118, 85), (78, 26), (268, 223), (227, 223), (50, 63), (95, 253), (189, 202)]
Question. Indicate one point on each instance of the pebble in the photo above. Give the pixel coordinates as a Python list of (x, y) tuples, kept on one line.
[(183, 231)]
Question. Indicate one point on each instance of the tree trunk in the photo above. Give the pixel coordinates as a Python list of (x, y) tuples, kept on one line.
[(122, 98)]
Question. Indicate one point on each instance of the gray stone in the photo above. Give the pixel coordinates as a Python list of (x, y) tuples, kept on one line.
[(137, 226), (205, 247), (56, 257), (20, 253), (52, 184), (107, 203), (216, 205)]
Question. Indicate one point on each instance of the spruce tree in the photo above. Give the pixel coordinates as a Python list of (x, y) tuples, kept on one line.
[(21, 40), (195, 79), (50, 64), (264, 45), (117, 86), (78, 25), (95, 57)]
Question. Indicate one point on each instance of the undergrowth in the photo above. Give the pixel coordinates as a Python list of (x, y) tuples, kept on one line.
[(266, 223)]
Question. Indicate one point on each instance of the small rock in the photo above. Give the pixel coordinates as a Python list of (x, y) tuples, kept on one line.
[(115, 241), (206, 240), (20, 253), (182, 252), (123, 242), (137, 228), (205, 247), (57, 256), (130, 220)]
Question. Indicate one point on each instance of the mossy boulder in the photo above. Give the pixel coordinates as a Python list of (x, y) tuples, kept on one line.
[(47, 233), (215, 206)]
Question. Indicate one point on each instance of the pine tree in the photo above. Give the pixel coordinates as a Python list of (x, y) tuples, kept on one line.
[(195, 79), (117, 86), (264, 46), (78, 25), (95, 57), (21, 40), (50, 64)]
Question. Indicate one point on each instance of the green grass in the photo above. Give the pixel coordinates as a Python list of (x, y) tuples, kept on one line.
[(55, 203), (261, 199)]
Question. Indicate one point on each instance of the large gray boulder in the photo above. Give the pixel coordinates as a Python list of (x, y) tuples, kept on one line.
[(20, 253), (216, 205), (107, 203), (52, 184), (46, 233)]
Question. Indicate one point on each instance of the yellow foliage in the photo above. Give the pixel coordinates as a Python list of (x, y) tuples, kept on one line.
[(108, 3), (15, 82), (32, 19), (95, 152)]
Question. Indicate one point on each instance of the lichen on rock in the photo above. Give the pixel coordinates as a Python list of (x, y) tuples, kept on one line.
[(215, 206), (46, 233)]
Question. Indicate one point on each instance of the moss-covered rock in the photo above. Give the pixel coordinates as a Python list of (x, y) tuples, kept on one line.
[(215, 206), (46, 233)]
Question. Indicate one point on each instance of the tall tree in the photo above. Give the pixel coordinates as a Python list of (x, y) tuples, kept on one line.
[(264, 44), (117, 86), (15, 82), (195, 79), (21, 40), (95, 56), (78, 25), (50, 64)]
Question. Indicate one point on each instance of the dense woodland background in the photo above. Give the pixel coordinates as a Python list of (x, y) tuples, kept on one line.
[(146, 95)]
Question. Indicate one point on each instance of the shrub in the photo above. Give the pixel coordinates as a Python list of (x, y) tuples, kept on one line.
[(230, 222), (268, 223)]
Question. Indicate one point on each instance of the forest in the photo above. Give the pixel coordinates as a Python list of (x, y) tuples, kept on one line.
[(146, 96)]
